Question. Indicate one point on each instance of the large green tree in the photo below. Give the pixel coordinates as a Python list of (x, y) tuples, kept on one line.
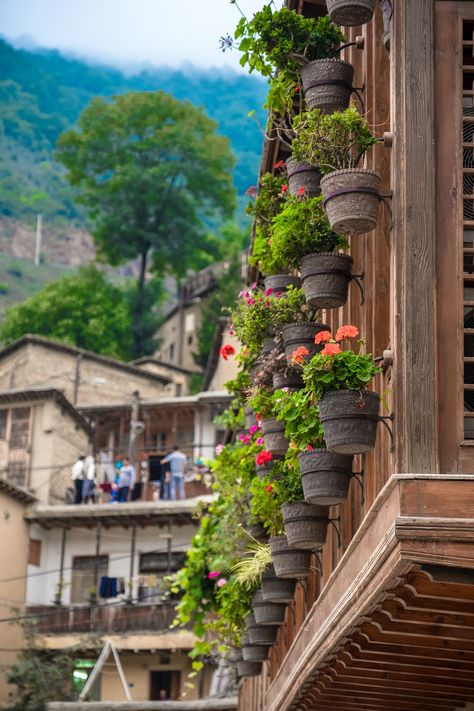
[(151, 171), (84, 310)]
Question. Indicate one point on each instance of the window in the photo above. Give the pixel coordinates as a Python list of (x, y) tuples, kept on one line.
[(165, 685), (189, 323), (3, 423), (172, 351), (34, 552), (16, 473), (20, 428), (158, 440), (153, 567), (82, 671), (83, 576), (190, 340)]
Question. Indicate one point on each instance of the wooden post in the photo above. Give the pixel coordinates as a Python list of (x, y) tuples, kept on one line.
[(96, 562), (59, 591), (132, 563), (414, 238)]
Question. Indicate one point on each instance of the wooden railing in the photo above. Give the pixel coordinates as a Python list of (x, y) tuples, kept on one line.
[(113, 619)]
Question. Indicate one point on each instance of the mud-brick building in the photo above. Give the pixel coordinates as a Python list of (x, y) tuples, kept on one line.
[(388, 622)]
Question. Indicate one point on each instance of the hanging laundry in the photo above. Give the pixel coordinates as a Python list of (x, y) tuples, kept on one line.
[(108, 587)]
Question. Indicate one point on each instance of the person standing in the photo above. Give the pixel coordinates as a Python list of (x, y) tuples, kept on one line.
[(78, 478), (178, 467), (126, 480), (88, 490)]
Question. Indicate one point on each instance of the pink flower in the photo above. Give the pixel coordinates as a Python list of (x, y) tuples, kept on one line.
[(267, 303), (251, 191), (280, 164), (245, 439), (260, 440), (221, 582), (219, 449), (268, 291), (253, 429), (278, 294), (213, 574)]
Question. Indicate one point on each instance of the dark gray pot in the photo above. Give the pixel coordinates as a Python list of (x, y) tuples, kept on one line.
[(289, 562), (351, 200), (276, 590), (302, 333), (268, 345), (267, 469), (326, 277), (264, 635), (325, 476), (274, 436), (349, 419), (327, 84), (306, 525), (303, 175), (291, 380), (281, 282), (249, 668), (267, 613), (254, 653), (351, 13)]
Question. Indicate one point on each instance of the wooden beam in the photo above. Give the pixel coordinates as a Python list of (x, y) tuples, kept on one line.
[(414, 238)]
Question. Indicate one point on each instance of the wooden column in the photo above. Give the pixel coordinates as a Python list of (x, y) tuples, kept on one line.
[(59, 592), (414, 237)]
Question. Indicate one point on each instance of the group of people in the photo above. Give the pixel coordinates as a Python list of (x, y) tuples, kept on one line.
[(84, 477), (169, 487)]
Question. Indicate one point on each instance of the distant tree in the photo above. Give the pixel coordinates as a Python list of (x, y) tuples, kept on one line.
[(40, 675), (149, 170), (84, 310)]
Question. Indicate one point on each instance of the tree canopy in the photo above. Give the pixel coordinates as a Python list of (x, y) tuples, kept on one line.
[(83, 310)]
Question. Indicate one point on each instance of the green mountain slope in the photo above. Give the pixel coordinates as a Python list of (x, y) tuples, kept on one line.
[(42, 93)]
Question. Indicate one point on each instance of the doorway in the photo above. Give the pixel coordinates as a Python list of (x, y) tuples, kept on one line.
[(168, 682)]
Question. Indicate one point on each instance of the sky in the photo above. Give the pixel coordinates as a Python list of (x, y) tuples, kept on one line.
[(129, 33)]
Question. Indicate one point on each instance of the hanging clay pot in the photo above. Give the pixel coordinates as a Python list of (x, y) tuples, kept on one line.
[(326, 277), (350, 13), (267, 613), (303, 176), (305, 524), (327, 84), (274, 436), (289, 562), (302, 333), (281, 282), (349, 419), (325, 476), (351, 200), (276, 590)]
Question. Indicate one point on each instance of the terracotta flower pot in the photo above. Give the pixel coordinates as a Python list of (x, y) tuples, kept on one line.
[(274, 436), (289, 562), (305, 524), (326, 277), (267, 613), (327, 84), (264, 635), (350, 12), (351, 200), (303, 175), (349, 419), (325, 476), (248, 668), (281, 282), (302, 333), (276, 590)]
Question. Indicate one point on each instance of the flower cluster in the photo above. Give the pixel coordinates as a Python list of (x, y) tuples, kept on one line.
[(227, 351), (215, 574), (331, 342), (297, 357), (263, 458)]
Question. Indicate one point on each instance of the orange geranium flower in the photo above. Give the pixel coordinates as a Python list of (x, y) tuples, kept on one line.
[(322, 337), (346, 332), (331, 349), (298, 355)]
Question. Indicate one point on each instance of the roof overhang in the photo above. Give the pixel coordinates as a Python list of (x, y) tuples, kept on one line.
[(148, 513)]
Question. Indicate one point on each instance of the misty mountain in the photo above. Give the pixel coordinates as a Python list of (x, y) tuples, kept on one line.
[(43, 92)]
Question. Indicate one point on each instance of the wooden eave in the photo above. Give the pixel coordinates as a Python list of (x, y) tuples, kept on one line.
[(143, 514), (394, 625)]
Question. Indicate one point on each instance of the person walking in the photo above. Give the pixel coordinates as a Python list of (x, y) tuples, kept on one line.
[(178, 467), (126, 480), (78, 478)]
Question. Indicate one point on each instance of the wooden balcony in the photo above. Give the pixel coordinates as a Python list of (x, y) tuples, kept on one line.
[(112, 619)]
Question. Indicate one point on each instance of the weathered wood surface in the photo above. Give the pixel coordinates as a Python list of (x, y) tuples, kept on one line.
[(201, 705)]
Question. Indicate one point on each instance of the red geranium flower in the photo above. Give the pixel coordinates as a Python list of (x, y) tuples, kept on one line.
[(227, 351), (297, 89), (346, 332), (280, 164), (284, 189), (300, 191), (263, 458), (322, 337), (269, 489), (331, 349), (298, 355)]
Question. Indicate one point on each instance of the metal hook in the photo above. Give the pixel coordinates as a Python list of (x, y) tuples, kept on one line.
[(382, 419), (291, 607), (358, 476), (358, 91), (333, 522), (304, 584), (317, 555), (357, 278), (388, 207)]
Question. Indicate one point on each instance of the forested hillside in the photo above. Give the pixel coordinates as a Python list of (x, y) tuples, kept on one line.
[(42, 93)]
